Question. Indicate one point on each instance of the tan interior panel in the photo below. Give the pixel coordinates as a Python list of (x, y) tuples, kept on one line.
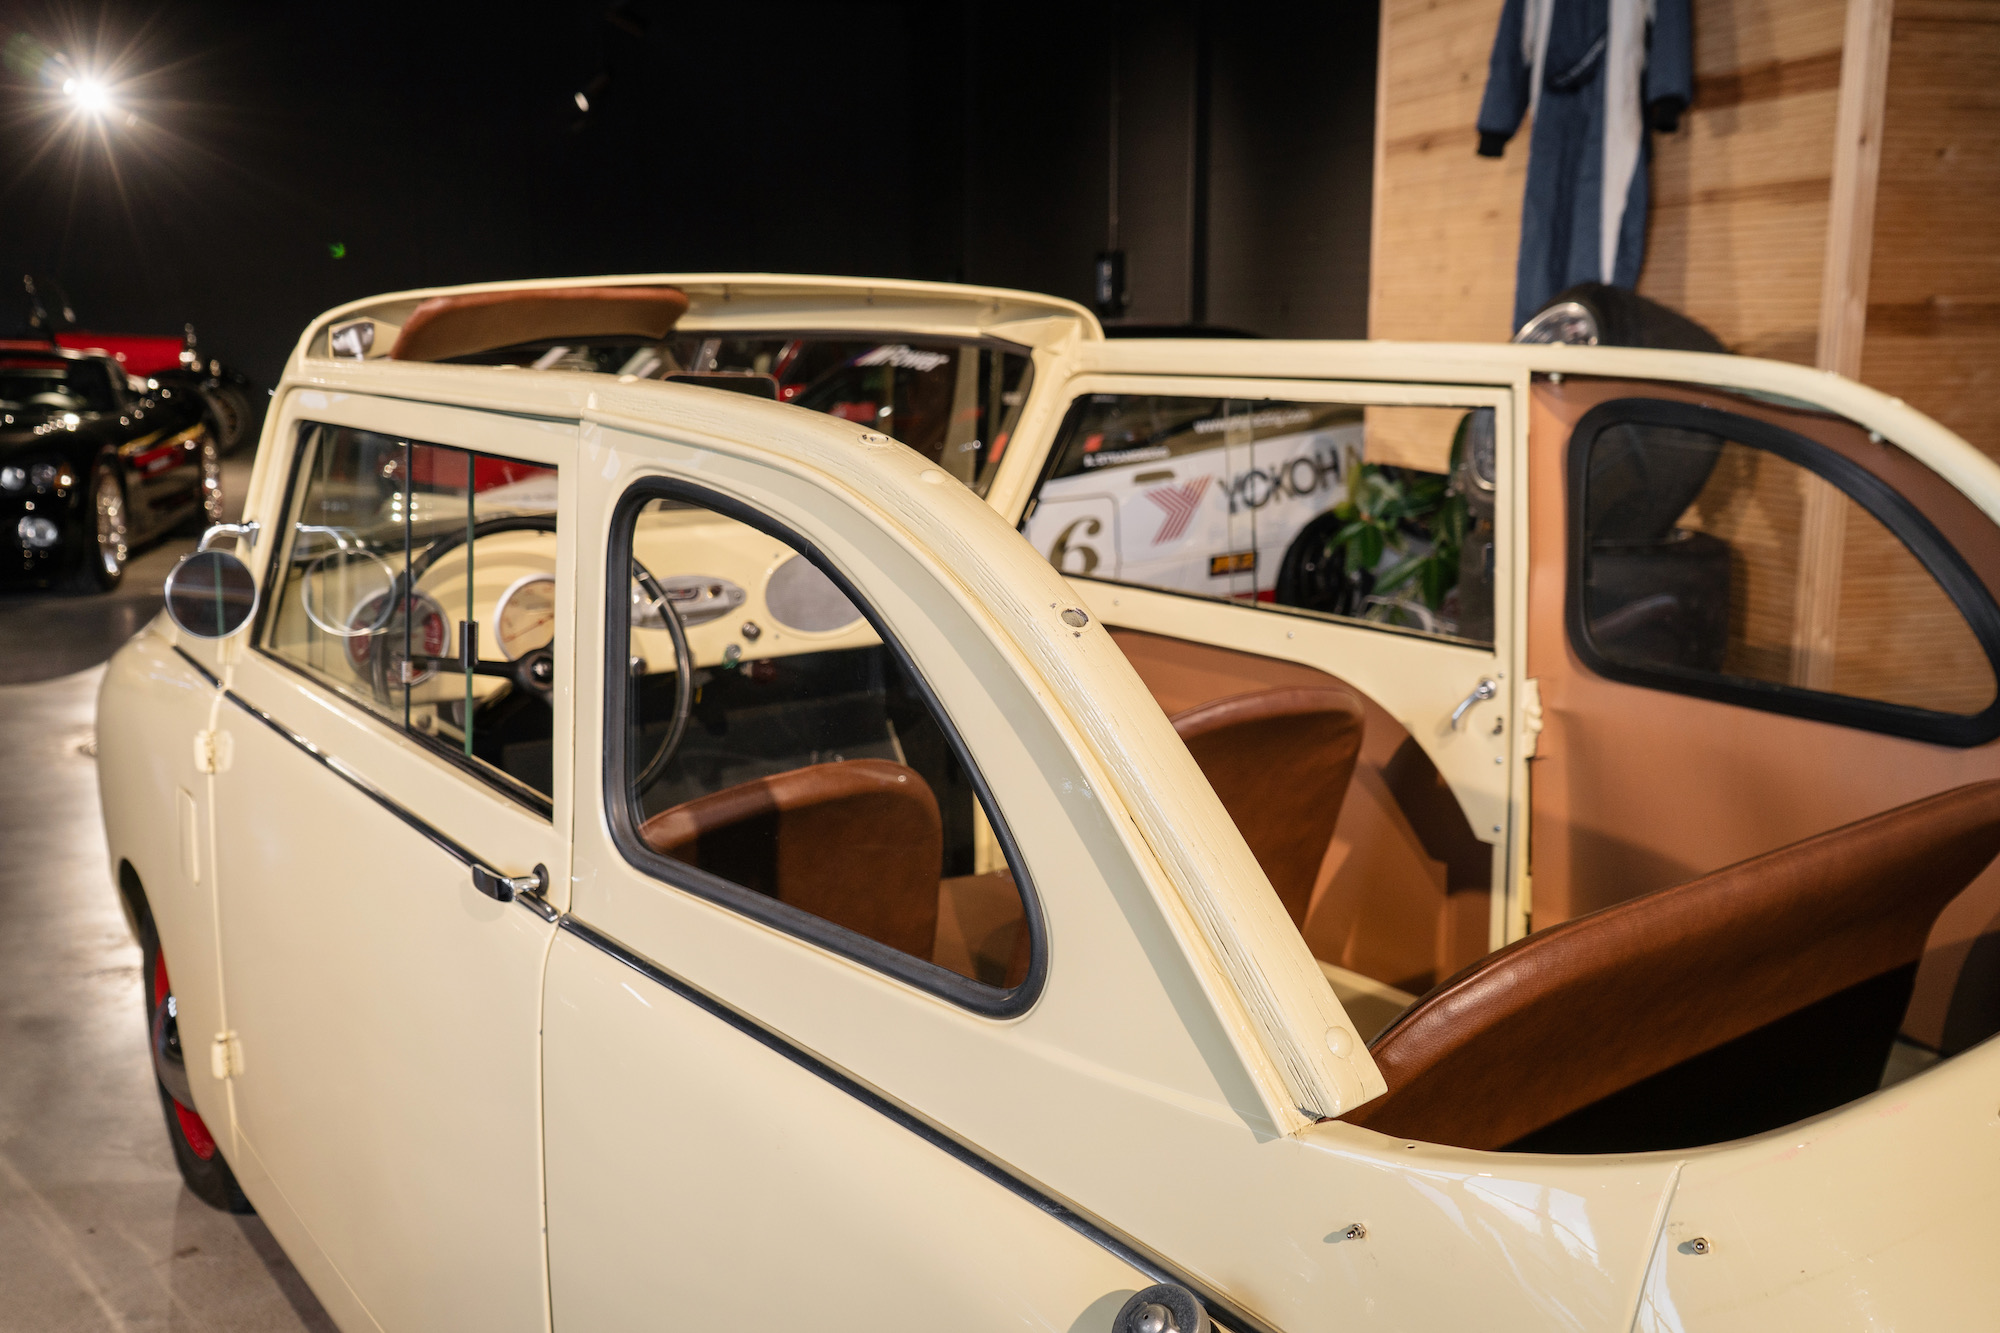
[(1636, 788), (1402, 894)]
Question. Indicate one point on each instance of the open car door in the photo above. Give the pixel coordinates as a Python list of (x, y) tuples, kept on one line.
[(1251, 515), (1753, 619)]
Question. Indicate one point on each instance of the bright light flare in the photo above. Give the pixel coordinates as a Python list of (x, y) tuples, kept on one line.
[(91, 97)]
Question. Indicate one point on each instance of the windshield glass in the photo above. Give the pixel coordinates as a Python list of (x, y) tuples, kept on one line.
[(955, 401), (55, 384)]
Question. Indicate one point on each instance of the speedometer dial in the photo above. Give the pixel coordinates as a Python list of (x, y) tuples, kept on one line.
[(525, 618)]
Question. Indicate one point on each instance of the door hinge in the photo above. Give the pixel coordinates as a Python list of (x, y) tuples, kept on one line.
[(212, 750), (225, 1057), (1531, 716)]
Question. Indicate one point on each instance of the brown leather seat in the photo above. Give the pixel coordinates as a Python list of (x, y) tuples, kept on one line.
[(857, 842), (1280, 759), (1571, 1019)]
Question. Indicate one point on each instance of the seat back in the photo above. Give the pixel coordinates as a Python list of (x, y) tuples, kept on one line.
[(1280, 759), (1557, 1022), (857, 842)]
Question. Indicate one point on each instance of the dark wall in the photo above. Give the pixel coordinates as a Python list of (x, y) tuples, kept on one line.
[(967, 140), (1292, 173), (1248, 207)]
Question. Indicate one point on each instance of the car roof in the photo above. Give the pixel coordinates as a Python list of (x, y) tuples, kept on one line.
[(748, 302)]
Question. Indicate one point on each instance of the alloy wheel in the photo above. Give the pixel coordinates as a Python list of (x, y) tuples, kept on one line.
[(109, 502), (170, 1062), (211, 477)]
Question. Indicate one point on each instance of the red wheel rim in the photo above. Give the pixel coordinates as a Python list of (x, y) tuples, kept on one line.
[(199, 1141)]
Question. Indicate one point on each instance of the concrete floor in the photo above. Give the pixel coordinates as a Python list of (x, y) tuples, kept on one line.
[(96, 1231)]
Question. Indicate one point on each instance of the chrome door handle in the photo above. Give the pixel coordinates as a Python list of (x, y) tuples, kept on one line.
[(243, 532), (1481, 692), (503, 889)]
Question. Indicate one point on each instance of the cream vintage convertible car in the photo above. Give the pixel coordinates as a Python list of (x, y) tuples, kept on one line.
[(611, 851)]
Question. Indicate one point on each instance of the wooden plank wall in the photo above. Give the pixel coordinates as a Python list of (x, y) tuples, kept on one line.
[(1738, 231), (1933, 327), (1447, 222)]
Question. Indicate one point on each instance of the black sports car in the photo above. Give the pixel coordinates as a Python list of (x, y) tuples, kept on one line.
[(93, 464)]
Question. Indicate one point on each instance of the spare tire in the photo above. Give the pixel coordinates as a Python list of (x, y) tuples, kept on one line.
[(1606, 316)]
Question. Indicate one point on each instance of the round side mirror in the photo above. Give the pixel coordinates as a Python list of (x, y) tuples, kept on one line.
[(211, 595)]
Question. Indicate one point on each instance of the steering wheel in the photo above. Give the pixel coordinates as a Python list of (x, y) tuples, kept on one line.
[(534, 671), (683, 681)]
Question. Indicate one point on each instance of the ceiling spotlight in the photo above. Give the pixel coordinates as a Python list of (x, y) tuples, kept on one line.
[(90, 96), (584, 96)]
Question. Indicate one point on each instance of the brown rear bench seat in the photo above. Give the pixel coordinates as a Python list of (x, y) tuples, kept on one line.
[(1735, 1003)]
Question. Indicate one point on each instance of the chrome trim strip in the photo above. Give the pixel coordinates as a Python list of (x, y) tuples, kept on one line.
[(366, 788), (200, 670), (1125, 1250), (539, 905)]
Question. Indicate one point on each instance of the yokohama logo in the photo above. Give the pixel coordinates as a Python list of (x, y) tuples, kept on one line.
[(1179, 502)]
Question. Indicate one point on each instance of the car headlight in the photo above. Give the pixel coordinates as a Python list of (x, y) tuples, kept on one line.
[(37, 532), (13, 478), (1565, 322), (43, 475)]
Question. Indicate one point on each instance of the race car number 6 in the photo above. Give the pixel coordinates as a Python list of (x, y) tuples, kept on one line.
[(1067, 544)]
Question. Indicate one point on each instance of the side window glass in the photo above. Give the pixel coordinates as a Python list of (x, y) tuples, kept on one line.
[(953, 400), (790, 759), (419, 581), (1373, 513), (1718, 548)]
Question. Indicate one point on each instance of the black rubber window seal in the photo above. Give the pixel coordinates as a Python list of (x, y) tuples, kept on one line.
[(977, 996), (1884, 503)]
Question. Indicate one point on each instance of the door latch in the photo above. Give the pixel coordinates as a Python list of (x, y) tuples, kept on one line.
[(1531, 716), (1481, 692)]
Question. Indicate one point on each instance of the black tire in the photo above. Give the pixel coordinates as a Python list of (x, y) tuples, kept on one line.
[(1627, 319), (199, 1158), (1313, 575), (100, 565), (228, 412)]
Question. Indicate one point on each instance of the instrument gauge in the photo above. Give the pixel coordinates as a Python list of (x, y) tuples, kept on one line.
[(524, 618)]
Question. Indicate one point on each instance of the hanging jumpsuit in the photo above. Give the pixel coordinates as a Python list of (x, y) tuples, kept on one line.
[(1596, 74)]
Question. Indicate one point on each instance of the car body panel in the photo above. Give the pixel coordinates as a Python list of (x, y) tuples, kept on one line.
[(1844, 1221), (642, 1219), (1150, 1095)]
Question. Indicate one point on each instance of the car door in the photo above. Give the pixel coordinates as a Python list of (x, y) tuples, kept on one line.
[(1358, 530), (1785, 606), (804, 825), (394, 745)]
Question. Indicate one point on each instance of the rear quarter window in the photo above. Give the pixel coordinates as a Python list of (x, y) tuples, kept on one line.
[(1718, 554)]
